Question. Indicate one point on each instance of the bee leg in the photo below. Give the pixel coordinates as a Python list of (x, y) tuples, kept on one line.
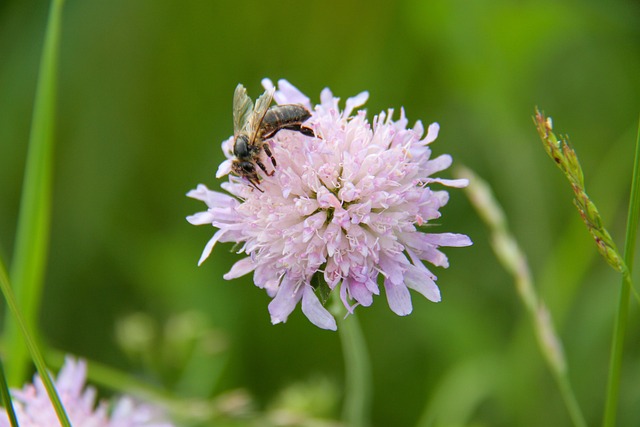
[(262, 166), (300, 128), (306, 131), (294, 127), (267, 150), (254, 184)]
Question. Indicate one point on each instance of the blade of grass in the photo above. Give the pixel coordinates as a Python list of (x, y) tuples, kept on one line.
[(7, 291), (514, 261), (6, 398), (617, 345), (570, 259), (32, 238)]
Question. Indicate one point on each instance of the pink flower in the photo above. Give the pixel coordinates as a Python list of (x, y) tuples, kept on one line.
[(34, 409), (350, 204)]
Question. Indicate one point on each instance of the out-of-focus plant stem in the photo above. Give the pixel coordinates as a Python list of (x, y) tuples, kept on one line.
[(617, 345), (514, 261), (357, 398)]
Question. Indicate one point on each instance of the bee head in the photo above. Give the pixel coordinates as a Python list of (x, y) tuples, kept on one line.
[(246, 170)]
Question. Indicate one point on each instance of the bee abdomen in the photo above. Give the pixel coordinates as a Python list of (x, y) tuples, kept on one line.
[(282, 116)]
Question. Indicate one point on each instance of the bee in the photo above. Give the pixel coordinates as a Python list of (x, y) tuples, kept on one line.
[(254, 125)]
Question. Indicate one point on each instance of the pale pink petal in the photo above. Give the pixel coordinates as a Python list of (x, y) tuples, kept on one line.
[(240, 268), (448, 239), (267, 84), (210, 244), (355, 102), (421, 280), (289, 293), (315, 312), (432, 133), (201, 218), (438, 164), (360, 293), (344, 287), (398, 298), (211, 198), (393, 266), (224, 169), (456, 183)]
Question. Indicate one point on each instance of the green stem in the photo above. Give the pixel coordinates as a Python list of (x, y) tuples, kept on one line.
[(32, 237), (6, 398), (357, 399), (514, 261), (617, 345), (570, 401), (32, 347)]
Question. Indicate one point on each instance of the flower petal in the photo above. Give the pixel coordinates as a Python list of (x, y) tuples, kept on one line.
[(438, 164), (211, 198), (315, 312), (355, 102), (432, 133), (240, 268), (209, 246), (421, 280), (360, 292), (398, 298), (287, 93), (454, 240), (456, 183), (224, 168), (393, 266), (289, 293), (201, 218)]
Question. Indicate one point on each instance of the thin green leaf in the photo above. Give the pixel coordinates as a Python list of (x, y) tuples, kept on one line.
[(320, 286), (32, 238), (617, 345), (6, 398), (36, 355)]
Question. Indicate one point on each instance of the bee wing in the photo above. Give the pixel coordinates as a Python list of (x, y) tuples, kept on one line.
[(242, 108), (262, 105)]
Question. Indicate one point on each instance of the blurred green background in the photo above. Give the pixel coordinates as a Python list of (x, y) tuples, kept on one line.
[(145, 93)]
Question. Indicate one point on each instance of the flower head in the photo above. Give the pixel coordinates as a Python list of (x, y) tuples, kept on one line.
[(350, 204), (34, 409)]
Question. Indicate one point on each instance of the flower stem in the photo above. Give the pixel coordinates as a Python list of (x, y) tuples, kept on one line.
[(357, 365), (514, 261), (32, 237), (6, 398), (32, 346), (617, 345)]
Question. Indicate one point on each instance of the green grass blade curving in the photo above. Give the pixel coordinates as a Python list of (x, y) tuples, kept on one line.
[(32, 347), (620, 327), (6, 398), (32, 238)]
